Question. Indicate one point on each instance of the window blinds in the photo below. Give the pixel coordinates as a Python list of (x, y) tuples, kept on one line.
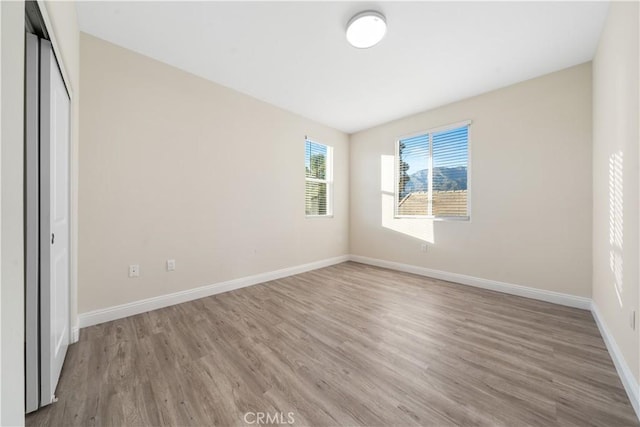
[(317, 182), (433, 174)]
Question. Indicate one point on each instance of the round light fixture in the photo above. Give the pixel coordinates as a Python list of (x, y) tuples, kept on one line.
[(366, 29)]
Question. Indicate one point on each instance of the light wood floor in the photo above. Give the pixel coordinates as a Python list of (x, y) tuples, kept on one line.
[(344, 345)]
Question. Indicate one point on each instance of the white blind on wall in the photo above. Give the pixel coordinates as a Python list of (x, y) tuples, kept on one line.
[(317, 181), (450, 154), (433, 173)]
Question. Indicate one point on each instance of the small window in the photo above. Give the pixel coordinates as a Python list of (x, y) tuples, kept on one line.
[(433, 173), (318, 163)]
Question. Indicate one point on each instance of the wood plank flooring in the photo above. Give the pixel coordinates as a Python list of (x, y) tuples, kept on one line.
[(345, 345)]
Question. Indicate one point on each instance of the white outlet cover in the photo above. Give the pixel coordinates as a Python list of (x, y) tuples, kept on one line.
[(134, 270), (171, 264)]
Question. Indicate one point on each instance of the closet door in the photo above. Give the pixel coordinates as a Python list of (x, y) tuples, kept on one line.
[(54, 222)]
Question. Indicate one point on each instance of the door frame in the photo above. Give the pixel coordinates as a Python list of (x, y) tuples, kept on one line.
[(32, 223)]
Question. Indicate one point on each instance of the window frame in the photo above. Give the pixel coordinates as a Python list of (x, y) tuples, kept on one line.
[(430, 132), (328, 179)]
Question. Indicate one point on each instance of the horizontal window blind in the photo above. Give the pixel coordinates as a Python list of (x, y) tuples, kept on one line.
[(318, 179), (433, 173), (316, 198), (450, 161), (413, 176), (316, 160)]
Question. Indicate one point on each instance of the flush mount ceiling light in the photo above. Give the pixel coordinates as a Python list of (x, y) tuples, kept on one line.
[(366, 29)]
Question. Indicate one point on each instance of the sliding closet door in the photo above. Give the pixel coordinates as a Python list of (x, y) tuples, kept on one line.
[(54, 221)]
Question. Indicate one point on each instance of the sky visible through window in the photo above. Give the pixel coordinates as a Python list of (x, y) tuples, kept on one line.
[(416, 150), (416, 153)]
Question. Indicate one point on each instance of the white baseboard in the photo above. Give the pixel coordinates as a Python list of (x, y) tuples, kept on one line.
[(141, 306), (626, 376), (507, 288), (129, 309), (75, 334)]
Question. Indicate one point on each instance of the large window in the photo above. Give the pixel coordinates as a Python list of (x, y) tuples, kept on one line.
[(318, 163), (433, 172)]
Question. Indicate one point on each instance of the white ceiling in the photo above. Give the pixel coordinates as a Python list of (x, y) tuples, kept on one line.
[(294, 54)]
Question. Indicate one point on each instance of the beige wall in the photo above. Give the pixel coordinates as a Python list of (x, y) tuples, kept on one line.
[(616, 188), (11, 214), (530, 188), (174, 166)]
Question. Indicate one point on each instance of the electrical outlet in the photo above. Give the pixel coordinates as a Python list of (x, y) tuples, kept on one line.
[(424, 247), (134, 270), (632, 320), (171, 264)]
